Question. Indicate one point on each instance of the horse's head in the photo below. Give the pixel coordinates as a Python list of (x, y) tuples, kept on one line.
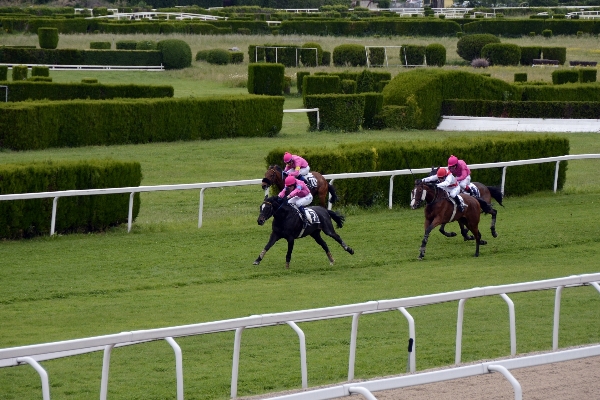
[(417, 195), (267, 209), (272, 176), (433, 171)]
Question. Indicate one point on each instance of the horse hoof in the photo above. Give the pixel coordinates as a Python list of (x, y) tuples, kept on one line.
[(330, 262), (350, 250), (256, 263), (482, 242), (469, 238), (495, 234), (452, 234), (476, 255)]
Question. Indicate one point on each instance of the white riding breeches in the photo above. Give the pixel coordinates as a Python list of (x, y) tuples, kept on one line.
[(452, 191), (465, 182), (301, 201), (304, 171)]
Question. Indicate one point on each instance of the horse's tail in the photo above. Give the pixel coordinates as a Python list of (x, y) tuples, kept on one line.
[(496, 194), (338, 218), (332, 192), (485, 206)]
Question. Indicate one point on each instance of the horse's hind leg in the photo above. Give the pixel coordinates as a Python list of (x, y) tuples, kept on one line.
[(317, 236), (288, 256), (447, 234), (464, 231), (329, 231), (493, 227)]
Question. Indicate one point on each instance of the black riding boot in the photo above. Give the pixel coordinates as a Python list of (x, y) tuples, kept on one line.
[(460, 204), (302, 178), (303, 214)]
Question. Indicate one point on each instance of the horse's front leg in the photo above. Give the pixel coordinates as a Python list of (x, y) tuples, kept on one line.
[(288, 256), (272, 240), (464, 231), (428, 230), (447, 234)]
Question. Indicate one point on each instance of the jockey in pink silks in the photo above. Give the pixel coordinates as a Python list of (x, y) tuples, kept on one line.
[(295, 166), (297, 193), (448, 182), (461, 172)]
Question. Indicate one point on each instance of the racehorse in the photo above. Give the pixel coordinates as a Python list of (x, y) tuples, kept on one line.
[(440, 210), (487, 193), (287, 224), (274, 176)]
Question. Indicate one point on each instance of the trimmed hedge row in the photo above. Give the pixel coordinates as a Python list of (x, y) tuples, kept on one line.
[(79, 57), (266, 79), (522, 27), (375, 26), (337, 112), (39, 125), (523, 109), (24, 90), (29, 218), (385, 156), (567, 92)]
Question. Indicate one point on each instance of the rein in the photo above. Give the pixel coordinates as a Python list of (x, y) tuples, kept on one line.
[(435, 196)]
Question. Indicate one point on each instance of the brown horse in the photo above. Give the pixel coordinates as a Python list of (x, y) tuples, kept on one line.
[(440, 210), (275, 176)]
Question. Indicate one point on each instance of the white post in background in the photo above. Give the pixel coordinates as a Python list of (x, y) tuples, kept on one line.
[(130, 213), (459, 326), (105, 368), (53, 222), (503, 180), (391, 191), (201, 207), (556, 317), (302, 340), (510, 378), (512, 323), (556, 176)]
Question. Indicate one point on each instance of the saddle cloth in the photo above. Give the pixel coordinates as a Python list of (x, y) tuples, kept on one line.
[(474, 190), (311, 180), (310, 214)]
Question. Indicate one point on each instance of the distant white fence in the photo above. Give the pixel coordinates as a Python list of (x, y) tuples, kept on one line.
[(332, 177), (33, 353)]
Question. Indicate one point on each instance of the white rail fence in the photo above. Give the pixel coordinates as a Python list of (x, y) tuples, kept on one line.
[(33, 353), (332, 177)]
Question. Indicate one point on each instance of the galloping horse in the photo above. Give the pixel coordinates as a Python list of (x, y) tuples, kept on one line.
[(288, 225), (274, 176), (487, 193), (440, 210)]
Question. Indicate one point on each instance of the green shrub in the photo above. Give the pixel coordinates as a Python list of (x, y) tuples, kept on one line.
[(531, 34), (126, 44), (579, 34), (521, 77), (555, 53), (3, 73), (146, 45), (373, 106), (287, 84), (376, 56), (29, 218), (237, 57), (562, 76), (550, 92), (587, 75), (338, 112), (435, 55), (501, 53), (348, 86), (218, 56), (89, 80), (310, 58), (349, 55), (244, 31), (266, 79), (256, 53), (40, 71), (469, 47), (19, 73), (176, 54), (530, 53), (522, 109), (326, 58), (365, 82), (202, 55), (299, 78), (100, 45), (79, 57), (48, 38), (39, 79), (547, 33), (412, 54), (320, 84), (38, 125), (281, 53)]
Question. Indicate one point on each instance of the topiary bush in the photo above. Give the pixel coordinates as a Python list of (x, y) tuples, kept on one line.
[(236, 57), (412, 54), (530, 53), (376, 56), (201, 55), (501, 53), (521, 77), (100, 45), (218, 57), (146, 45), (365, 82), (555, 53), (19, 72), (126, 44), (48, 38), (349, 55), (89, 80), (348, 86), (469, 47), (266, 78), (326, 58), (40, 71), (176, 54), (587, 75), (547, 33), (3, 73), (308, 57), (435, 55), (563, 76), (299, 78)]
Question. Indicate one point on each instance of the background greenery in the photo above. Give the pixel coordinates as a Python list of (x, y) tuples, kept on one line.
[(168, 272)]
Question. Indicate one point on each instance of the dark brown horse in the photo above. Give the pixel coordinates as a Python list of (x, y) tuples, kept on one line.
[(440, 210), (275, 176)]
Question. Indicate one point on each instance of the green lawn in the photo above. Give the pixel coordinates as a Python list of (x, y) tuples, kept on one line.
[(168, 272)]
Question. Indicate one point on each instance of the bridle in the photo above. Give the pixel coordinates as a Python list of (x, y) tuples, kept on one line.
[(273, 173), (424, 194)]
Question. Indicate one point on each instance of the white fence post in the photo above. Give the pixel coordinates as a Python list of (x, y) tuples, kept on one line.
[(130, 213), (412, 356), (201, 207), (556, 176), (556, 317), (53, 222), (459, 326), (236, 361), (43, 375), (512, 324), (178, 366), (353, 335), (105, 369), (302, 340), (515, 383)]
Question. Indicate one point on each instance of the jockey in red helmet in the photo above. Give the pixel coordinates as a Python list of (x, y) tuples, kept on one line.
[(447, 181), (297, 194), (295, 166), (461, 171)]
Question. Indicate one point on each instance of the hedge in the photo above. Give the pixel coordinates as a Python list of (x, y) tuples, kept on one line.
[(513, 27), (337, 112), (79, 57), (266, 79), (530, 53), (22, 91), (563, 76), (29, 218), (387, 156), (3, 73), (567, 92), (374, 26), (435, 55), (43, 124), (501, 53), (48, 38), (320, 84), (523, 109)]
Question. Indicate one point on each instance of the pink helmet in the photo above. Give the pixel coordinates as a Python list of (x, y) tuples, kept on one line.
[(290, 180), (453, 160), (442, 172), (287, 157)]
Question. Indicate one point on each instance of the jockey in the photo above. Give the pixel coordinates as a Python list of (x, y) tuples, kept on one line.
[(295, 166), (297, 194), (447, 181), (462, 173)]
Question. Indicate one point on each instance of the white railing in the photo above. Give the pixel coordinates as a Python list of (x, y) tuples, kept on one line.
[(203, 186), (301, 110), (154, 16), (32, 353), (56, 67)]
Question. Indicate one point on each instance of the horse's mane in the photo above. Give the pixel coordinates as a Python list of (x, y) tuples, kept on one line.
[(276, 167)]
